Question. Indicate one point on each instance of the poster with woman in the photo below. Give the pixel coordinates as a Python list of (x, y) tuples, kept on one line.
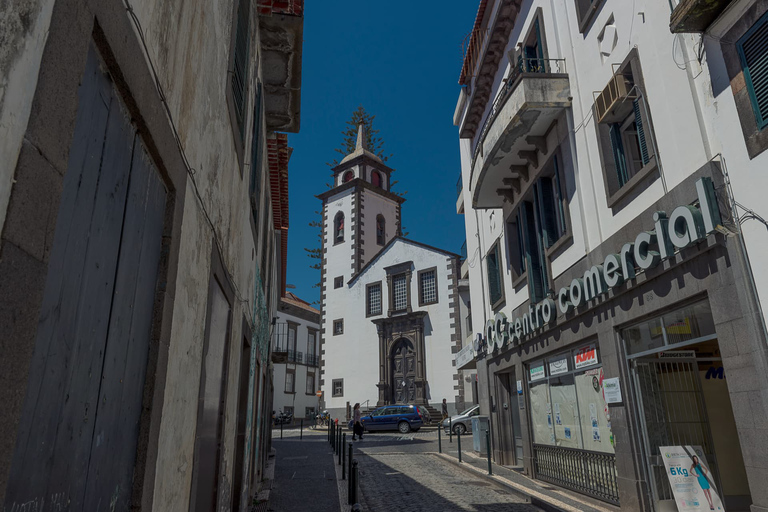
[(690, 478)]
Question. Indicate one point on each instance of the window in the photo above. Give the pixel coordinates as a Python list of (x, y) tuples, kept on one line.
[(291, 337), (427, 287), (373, 299), (532, 56), (311, 350), (679, 326), (289, 381), (625, 131), (338, 327), (400, 289), (288, 410), (338, 387), (348, 176), (310, 384), (380, 230), (535, 259), (240, 60), (516, 245), (309, 412), (338, 228), (338, 282), (753, 53), (585, 11), (256, 158), (375, 179), (495, 284)]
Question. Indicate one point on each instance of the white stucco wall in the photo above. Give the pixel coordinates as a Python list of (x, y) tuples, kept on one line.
[(373, 205), (298, 400)]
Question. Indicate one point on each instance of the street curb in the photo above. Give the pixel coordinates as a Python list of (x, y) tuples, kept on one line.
[(546, 503)]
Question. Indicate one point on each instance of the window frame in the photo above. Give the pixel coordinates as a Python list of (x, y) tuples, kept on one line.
[(398, 277), (420, 273), (292, 372), (238, 130), (338, 321), (338, 229), (368, 312), (348, 173), (516, 248), (338, 282), (340, 394), (586, 13), (310, 378), (497, 254), (763, 20), (381, 238)]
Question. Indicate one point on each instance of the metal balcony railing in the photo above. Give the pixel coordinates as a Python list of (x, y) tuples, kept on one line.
[(313, 360), (587, 472), (525, 66), (295, 357), (280, 338)]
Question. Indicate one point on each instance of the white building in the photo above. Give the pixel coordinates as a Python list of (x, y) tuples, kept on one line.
[(390, 306), (613, 173), (295, 357)]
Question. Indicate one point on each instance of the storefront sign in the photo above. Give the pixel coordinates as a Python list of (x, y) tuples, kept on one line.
[(464, 356), (558, 367), (685, 226), (537, 373), (519, 387), (586, 356), (678, 354), (690, 478), (612, 390)]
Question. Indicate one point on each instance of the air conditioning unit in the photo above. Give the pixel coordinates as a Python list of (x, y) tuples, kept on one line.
[(614, 104)]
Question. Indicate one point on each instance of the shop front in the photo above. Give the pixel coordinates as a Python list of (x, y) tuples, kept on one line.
[(601, 394)]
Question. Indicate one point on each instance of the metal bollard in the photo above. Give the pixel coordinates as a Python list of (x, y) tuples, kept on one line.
[(488, 450), (355, 482), (450, 431), (349, 480), (343, 456), (458, 440), (281, 429), (301, 432), (333, 436), (341, 446), (338, 442), (439, 440)]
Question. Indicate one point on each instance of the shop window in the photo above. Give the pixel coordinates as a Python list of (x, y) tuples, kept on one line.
[(338, 388), (290, 381), (338, 282), (495, 282), (568, 408), (338, 228), (684, 325), (338, 327), (373, 299), (381, 225), (625, 131), (376, 179), (427, 287), (348, 176), (753, 53)]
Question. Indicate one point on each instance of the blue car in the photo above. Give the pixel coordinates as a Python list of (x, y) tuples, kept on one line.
[(403, 418)]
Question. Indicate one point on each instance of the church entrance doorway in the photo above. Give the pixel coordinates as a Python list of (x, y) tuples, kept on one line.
[(403, 371)]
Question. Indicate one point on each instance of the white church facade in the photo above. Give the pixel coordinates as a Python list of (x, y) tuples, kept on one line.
[(390, 306)]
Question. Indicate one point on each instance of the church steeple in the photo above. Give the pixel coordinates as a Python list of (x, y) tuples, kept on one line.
[(362, 138), (361, 147)]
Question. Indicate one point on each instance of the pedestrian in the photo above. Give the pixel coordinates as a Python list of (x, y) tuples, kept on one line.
[(445, 409), (357, 426)]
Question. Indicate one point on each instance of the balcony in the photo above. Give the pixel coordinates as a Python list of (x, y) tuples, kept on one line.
[(313, 360), (295, 357), (459, 196), (695, 15), (513, 133)]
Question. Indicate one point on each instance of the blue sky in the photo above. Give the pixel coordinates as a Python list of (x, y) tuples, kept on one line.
[(401, 61)]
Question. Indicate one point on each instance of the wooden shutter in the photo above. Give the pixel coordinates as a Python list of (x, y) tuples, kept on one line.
[(533, 261), (618, 154), (640, 132), (753, 51)]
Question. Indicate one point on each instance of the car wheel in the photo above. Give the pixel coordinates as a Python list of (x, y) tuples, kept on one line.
[(404, 427), (459, 429)]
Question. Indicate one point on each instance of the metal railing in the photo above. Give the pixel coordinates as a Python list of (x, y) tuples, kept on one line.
[(313, 360), (280, 337), (524, 67), (459, 187), (587, 472), (295, 357)]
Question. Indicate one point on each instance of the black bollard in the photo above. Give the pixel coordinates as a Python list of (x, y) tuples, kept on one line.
[(301, 432), (458, 440), (439, 440), (341, 445), (343, 456), (281, 429), (450, 431), (355, 482), (349, 480), (488, 450), (333, 436)]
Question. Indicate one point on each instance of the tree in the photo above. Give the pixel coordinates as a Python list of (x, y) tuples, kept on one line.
[(349, 141)]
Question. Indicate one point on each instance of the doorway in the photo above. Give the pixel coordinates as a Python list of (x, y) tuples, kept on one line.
[(510, 448), (682, 399), (403, 372)]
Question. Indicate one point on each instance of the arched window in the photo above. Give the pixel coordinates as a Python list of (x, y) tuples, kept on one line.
[(380, 229), (348, 176), (376, 179), (338, 228)]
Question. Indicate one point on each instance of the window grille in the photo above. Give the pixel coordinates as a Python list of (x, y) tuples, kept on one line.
[(338, 327), (428, 287), (753, 52), (240, 65), (338, 387), (400, 286), (374, 299)]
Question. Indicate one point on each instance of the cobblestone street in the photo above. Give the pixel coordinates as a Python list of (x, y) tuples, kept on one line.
[(422, 482)]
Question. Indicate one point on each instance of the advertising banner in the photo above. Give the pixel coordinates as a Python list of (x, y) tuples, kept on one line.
[(690, 478)]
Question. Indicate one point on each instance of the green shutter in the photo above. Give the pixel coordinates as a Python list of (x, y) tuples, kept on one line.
[(539, 48), (559, 198), (753, 52), (640, 132), (240, 65), (494, 284), (520, 245), (618, 154), (533, 262), (546, 206)]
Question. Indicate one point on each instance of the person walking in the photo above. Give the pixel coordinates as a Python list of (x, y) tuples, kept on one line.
[(445, 409), (357, 426)]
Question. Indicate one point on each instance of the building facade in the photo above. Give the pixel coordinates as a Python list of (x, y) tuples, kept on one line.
[(390, 306), (611, 197), (295, 356), (141, 250)]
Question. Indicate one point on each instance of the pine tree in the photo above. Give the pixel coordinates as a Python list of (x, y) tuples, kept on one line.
[(374, 142)]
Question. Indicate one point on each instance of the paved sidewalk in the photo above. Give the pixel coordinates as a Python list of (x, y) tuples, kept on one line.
[(547, 496), (305, 474)]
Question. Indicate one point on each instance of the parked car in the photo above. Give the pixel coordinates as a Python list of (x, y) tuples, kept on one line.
[(425, 416), (461, 423), (403, 418)]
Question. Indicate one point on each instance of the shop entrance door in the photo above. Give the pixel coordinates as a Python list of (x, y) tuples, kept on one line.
[(509, 451)]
